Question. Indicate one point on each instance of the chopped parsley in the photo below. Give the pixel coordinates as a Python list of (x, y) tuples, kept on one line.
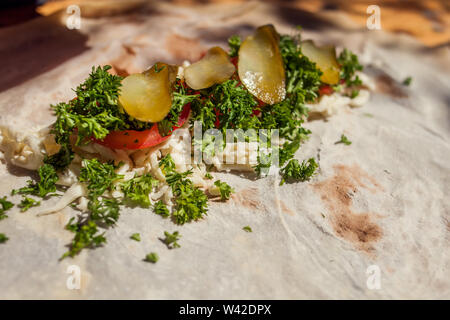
[(5, 206), (191, 203), (247, 228), (158, 70), (224, 189), (234, 42), (349, 65), (137, 190), (99, 176), (171, 239), (407, 81), (152, 257), (3, 238), (302, 76), (289, 148), (180, 97), (344, 140), (264, 162), (27, 203), (94, 112), (161, 209), (226, 105), (166, 164), (136, 237), (295, 171), (208, 176), (45, 186), (87, 235), (354, 94), (104, 211)]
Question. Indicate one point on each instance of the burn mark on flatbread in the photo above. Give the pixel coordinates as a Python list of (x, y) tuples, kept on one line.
[(387, 85), (284, 208), (249, 198), (183, 48), (447, 224), (337, 193), (123, 64)]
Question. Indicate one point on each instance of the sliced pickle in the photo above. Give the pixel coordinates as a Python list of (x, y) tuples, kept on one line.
[(147, 96), (325, 58), (261, 67), (214, 68)]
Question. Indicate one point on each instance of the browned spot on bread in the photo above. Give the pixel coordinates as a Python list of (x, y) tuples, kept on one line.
[(284, 208), (336, 192), (184, 48), (447, 224), (387, 85), (123, 65), (248, 198)]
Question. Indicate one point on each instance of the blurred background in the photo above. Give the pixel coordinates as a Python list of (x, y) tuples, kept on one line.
[(427, 21)]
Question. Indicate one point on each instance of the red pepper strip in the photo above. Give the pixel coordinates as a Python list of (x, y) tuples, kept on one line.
[(133, 139)]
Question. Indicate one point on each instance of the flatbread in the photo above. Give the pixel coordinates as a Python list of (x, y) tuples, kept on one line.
[(379, 203)]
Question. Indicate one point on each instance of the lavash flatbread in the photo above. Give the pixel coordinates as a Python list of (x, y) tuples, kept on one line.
[(381, 201)]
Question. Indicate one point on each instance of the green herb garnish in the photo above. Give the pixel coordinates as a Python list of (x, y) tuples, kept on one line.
[(152, 257), (224, 189), (136, 237), (344, 140), (407, 81), (247, 228), (5, 206), (234, 42), (3, 238), (86, 236), (349, 65), (208, 176), (45, 186), (354, 94), (158, 70), (171, 239), (161, 209), (137, 190), (294, 171), (181, 96), (27, 203), (191, 203)]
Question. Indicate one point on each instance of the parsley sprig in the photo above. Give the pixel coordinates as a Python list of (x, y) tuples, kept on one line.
[(26, 203), (191, 203), (224, 189), (349, 65), (171, 239), (45, 186), (152, 257), (296, 171), (137, 190), (87, 235), (99, 177), (344, 140), (5, 206), (3, 238)]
